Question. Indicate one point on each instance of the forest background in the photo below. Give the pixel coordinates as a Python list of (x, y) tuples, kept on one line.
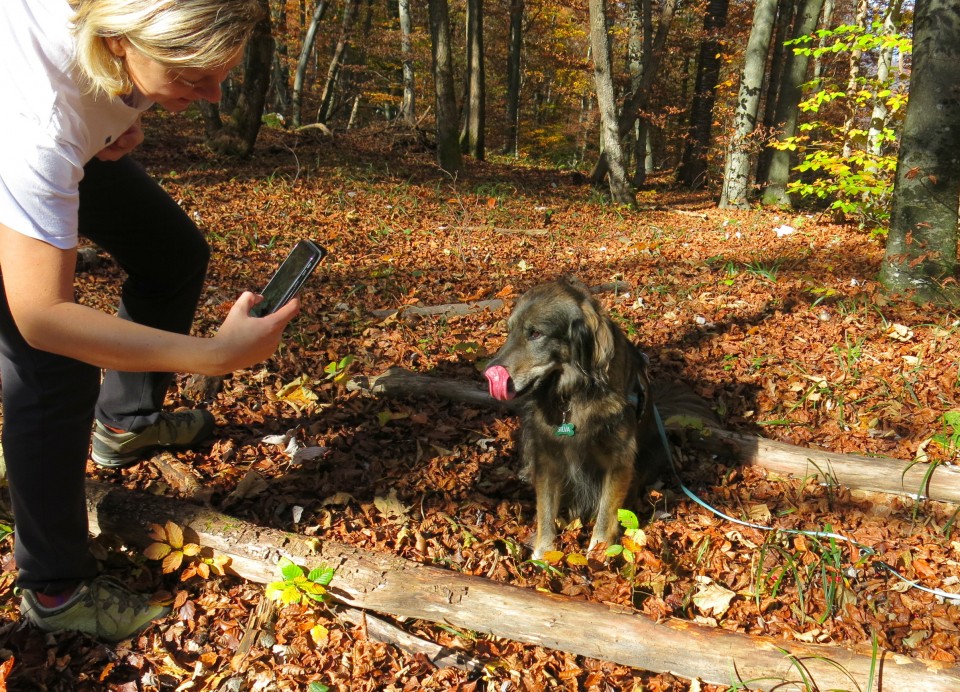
[(760, 188)]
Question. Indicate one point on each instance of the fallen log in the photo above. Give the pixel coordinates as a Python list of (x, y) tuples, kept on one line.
[(389, 584), (458, 309), (874, 474)]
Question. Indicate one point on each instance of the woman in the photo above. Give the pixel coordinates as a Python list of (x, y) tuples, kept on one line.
[(76, 77)]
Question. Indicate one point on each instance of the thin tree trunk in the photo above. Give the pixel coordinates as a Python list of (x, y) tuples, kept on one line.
[(448, 144), (238, 134), (853, 82), (638, 100), (620, 189), (878, 119), (788, 102), (280, 75), (785, 13), (350, 9), (513, 77), (303, 63), (922, 244), (408, 106), (736, 178), (693, 164), (472, 137)]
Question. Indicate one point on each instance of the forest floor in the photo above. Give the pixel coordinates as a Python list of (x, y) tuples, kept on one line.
[(776, 319)]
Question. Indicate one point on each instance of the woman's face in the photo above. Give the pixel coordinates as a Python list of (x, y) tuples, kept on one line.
[(172, 88)]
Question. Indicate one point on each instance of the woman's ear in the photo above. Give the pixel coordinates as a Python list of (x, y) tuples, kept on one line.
[(115, 45)]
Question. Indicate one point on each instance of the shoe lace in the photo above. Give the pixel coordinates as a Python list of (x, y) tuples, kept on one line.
[(110, 593), (177, 419)]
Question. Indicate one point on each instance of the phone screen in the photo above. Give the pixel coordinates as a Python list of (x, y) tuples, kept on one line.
[(289, 278)]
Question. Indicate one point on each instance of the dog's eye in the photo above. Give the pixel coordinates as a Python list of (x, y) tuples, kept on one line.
[(534, 334)]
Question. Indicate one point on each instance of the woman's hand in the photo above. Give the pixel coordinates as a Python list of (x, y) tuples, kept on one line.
[(243, 340), (124, 144)]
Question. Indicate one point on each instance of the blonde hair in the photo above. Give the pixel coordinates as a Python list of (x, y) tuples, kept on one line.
[(203, 34)]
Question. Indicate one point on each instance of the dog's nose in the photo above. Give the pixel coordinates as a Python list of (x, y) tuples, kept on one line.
[(499, 380)]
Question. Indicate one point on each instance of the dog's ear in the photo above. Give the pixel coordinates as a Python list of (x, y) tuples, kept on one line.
[(591, 342), (582, 346)]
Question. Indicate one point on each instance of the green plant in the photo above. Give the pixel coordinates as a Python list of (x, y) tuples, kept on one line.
[(948, 439), (633, 539), (766, 271), (338, 371), (298, 586), (808, 560), (851, 169)]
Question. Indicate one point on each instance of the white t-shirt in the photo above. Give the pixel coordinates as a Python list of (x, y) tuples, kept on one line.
[(48, 129)]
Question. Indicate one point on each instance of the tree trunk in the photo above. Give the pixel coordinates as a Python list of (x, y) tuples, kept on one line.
[(640, 38), (872, 474), (736, 178), (350, 9), (785, 13), (392, 585), (238, 134), (693, 164), (513, 77), (638, 100), (878, 119), (853, 82), (788, 103), (408, 106), (621, 191), (296, 108), (280, 76), (922, 245), (448, 143), (472, 137)]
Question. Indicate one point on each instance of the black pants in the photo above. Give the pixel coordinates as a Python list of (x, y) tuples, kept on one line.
[(49, 401)]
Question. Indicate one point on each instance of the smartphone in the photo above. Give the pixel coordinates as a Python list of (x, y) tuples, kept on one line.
[(290, 277)]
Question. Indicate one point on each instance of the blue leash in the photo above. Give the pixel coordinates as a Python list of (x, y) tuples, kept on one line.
[(864, 550)]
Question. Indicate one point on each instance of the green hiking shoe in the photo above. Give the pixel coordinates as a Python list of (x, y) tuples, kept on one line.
[(115, 450), (102, 608)]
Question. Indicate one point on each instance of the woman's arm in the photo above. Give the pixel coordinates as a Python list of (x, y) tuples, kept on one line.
[(38, 279)]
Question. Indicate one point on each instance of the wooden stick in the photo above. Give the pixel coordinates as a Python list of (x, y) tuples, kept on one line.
[(877, 474)]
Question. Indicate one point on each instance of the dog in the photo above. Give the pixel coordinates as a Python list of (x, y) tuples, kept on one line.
[(589, 440)]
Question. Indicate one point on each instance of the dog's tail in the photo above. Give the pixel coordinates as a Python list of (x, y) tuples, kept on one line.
[(679, 406), (688, 420)]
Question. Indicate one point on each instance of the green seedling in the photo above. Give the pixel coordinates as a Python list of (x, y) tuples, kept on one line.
[(298, 586)]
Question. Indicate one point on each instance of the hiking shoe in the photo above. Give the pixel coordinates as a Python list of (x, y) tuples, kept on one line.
[(115, 450), (102, 608)]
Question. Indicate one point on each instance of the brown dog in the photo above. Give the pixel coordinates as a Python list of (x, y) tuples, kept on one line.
[(589, 440)]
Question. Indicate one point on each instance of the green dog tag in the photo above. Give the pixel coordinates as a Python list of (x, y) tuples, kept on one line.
[(566, 430)]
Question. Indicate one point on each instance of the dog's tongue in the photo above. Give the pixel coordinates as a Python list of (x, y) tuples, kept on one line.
[(499, 380)]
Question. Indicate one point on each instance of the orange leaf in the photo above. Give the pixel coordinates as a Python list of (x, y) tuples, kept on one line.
[(172, 562), (181, 598), (174, 535), (156, 551), (157, 533)]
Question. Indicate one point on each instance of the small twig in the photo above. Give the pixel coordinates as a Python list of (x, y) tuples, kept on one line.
[(383, 631)]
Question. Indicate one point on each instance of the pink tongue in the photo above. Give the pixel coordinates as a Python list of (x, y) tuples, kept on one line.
[(499, 379)]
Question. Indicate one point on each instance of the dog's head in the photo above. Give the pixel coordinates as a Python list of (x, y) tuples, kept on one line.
[(557, 330)]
